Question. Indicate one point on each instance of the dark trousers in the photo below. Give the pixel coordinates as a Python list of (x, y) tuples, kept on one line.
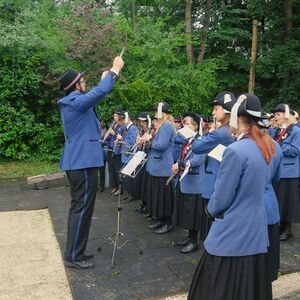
[(102, 176), (114, 166), (83, 185)]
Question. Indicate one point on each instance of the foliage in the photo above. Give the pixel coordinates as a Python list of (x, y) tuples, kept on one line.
[(41, 39)]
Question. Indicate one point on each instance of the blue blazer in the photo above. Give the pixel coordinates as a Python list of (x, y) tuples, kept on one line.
[(190, 184), (211, 166), (129, 136), (178, 143), (271, 132), (290, 147), (271, 203), (240, 225), (160, 159), (82, 147)]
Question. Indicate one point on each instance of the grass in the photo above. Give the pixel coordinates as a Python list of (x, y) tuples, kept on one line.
[(21, 169)]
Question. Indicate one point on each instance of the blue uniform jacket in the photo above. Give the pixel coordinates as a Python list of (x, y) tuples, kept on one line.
[(271, 132), (160, 159), (129, 136), (178, 143), (211, 166), (290, 147), (190, 184), (271, 203), (82, 147), (237, 203)]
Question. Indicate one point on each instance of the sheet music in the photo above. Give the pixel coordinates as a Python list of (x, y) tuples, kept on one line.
[(186, 170), (134, 162), (187, 132), (217, 152)]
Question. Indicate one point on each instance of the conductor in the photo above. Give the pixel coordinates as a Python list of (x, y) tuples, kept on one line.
[(82, 155)]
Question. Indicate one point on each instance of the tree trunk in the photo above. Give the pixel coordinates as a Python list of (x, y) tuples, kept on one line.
[(133, 15), (253, 58), (188, 31), (287, 7), (205, 29)]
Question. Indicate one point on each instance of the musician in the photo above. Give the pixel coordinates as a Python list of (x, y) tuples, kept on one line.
[(221, 112), (104, 154), (233, 265), (82, 155), (145, 126), (288, 136), (187, 209), (127, 139), (113, 155), (179, 139), (159, 196)]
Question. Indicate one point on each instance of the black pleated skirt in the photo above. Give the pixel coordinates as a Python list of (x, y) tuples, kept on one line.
[(138, 184), (231, 278), (287, 191), (205, 221), (187, 210), (159, 197), (273, 255)]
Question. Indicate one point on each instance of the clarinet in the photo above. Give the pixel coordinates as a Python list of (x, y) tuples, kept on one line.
[(187, 155)]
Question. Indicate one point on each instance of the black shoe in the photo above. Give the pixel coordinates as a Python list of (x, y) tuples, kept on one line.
[(87, 255), (79, 264), (189, 248), (147, 215), (285, 236), (143, 210), (184, 242), (138, 209), (113, 191), (155, 225), (164, 229), (128, 199)]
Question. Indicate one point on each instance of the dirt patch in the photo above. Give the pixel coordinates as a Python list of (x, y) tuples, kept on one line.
[(31, 264)]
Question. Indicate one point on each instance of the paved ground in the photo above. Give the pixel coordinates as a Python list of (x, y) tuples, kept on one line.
[(148, 266), (31, 265)]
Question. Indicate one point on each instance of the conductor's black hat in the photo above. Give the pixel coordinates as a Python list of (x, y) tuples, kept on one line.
[(69, 78)]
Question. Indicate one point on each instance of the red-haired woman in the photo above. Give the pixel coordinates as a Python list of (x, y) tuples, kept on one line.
[(233, 265)]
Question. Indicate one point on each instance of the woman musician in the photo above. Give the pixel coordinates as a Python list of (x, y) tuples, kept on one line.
[(221, 135), (158, 167), (288, 137), (113, 156), (145, 126), (187, 209)]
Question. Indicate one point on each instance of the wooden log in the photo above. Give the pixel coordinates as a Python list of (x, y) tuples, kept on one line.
[(45, 177)]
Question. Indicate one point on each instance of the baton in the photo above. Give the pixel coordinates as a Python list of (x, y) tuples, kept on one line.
[(122, 52)]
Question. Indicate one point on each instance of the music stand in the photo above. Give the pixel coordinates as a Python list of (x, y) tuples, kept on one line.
[(131, 169)]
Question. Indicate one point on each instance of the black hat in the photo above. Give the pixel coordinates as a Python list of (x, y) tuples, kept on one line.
[(143, 116), (177, 119), (204, 118), (130, 116), (226, 100), (246, 105), (119, 112), (165, 107), (192, 115), (69, 78), (285, 108)]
